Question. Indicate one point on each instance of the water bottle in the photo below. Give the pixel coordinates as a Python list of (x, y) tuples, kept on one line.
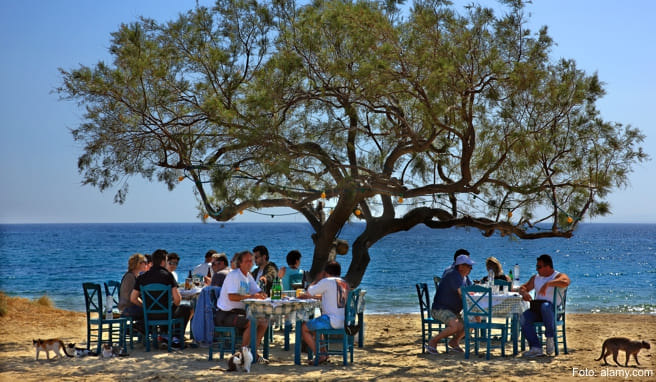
[(490, 278), (108, 308), (516, 276)]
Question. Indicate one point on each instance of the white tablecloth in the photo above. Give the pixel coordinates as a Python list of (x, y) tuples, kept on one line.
[(303, 308), (505, 305)]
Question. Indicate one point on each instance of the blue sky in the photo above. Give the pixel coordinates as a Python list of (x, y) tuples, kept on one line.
[(40, 182)]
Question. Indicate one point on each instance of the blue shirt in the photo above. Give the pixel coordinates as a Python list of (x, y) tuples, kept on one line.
[(447, 296)]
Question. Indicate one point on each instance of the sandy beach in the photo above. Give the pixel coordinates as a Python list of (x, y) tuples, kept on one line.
[(392, 351)]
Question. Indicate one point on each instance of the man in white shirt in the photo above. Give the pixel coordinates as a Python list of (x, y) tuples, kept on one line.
[(544, 283), (202, 268), (237, 286), (333, 293)]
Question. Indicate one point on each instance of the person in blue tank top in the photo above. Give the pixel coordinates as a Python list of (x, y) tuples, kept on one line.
[(447, 304), (544, 283), (285, 274)]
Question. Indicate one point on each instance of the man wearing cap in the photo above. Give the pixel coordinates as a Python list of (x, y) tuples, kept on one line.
[(447, 304), (219, 268)]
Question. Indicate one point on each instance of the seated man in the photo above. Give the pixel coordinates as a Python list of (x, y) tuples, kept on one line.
[(542, 310), (237, 286), (158, 274), (447, 304), (333, 293)]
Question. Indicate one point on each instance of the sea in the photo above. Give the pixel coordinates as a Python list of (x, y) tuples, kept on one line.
[(612, 266)]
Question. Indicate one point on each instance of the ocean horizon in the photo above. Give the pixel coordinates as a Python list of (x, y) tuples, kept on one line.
[(612, 265)]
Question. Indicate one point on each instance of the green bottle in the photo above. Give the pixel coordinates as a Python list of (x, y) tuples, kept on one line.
[(276, 290)]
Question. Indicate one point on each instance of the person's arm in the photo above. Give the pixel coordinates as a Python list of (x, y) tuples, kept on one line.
[(240, 297), (175, 293), (527, 287), (134, 298), (560, 281)]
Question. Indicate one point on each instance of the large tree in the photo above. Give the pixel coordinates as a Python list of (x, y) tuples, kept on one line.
[(434, 117)]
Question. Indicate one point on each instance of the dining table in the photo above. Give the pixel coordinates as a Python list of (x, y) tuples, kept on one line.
[(300, 309), (508, 305)]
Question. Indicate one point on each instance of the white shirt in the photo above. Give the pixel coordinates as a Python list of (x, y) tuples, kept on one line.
[(334, 294), (201, 269), (539, 282), (236, 282)]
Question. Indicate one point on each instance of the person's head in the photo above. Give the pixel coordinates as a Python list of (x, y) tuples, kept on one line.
[(544, 265), (137, 263), (459, 252), (159, 257), (149, 261), (464, 264), (261, 255), (172, 260), (333, 269), (219, 261), (208, 255), (294, 259), (244, 261), (494, 264)]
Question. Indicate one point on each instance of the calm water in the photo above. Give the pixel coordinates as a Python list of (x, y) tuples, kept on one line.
[(612, 266)]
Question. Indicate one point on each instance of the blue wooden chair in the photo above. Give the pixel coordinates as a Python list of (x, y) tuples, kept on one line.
[(158, 312), (428, 323), (113, 288), (560, 333), (477, 304), (326, 337), (97, 324), (225, 337)]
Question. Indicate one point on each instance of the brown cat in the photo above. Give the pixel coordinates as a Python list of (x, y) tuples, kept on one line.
[(55, 345), (615, 344)]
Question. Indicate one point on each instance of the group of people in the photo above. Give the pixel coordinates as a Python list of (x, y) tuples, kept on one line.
[(239, 280), (447, 303), (242, 283)]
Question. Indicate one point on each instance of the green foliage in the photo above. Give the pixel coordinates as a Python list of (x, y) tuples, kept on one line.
[(462, 115)]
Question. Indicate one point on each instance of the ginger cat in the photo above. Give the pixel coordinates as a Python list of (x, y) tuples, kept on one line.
[(54, 344), (615, 344)]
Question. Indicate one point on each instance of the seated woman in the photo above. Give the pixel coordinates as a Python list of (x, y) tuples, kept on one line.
[(494, 264), (136, 265)]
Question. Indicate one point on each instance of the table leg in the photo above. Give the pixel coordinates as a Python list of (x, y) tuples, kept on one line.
[(361, 334), (253, 336), (265, 351), (514, 332), (298, 342)]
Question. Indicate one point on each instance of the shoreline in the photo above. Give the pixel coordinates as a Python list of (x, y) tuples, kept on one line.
[(392, 351)]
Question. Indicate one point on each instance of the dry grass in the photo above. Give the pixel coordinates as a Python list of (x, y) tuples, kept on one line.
[(26, 318)]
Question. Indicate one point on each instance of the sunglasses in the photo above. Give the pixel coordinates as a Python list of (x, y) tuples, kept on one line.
[(173, 263)]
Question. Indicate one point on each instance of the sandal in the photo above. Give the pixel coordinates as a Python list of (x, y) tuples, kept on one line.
[(322, 360), (456, 349), (431, 350), (261, 360)]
